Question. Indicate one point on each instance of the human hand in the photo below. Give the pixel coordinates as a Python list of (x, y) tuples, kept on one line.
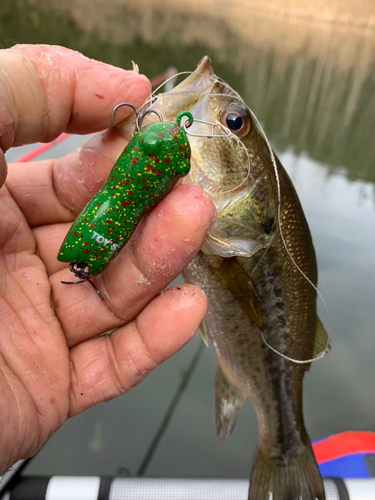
[(53, 365)]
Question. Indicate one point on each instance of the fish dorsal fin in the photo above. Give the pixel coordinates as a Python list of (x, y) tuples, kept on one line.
[(228, 402), (321, 341), (232, 275), (202, 332)]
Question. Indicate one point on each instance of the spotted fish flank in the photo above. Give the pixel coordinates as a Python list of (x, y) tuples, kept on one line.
[(149, 167)]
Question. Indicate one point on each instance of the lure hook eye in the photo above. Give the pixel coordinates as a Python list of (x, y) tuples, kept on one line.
[(189, 122), (79, 270)]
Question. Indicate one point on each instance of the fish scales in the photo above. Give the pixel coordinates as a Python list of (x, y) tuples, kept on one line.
[(248, 269)]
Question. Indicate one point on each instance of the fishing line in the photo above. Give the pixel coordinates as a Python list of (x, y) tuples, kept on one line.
[(260, 260), (298, 361), (153, 96), (214, 79), (228, 134), (232, 93), (326, 349)]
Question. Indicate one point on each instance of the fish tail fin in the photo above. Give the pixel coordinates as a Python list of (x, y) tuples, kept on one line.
[(288, 479)]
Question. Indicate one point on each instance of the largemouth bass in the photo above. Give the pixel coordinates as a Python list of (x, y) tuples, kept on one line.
[(258, 269)]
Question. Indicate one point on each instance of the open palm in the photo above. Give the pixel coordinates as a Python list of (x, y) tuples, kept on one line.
[(54, 362)]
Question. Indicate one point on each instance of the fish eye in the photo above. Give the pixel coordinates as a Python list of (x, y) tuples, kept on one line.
[(237, 119)]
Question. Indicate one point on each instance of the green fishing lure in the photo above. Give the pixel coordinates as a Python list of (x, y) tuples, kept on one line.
[(148, 168)]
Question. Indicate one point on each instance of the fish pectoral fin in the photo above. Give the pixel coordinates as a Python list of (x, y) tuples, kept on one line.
[(230, 247), (228, 402), (202, 332), (232, 275), (321, 341)]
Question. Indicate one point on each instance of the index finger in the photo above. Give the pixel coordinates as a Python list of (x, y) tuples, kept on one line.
[(46, 90)]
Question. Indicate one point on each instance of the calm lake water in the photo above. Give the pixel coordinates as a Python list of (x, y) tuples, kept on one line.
[(312, 85)]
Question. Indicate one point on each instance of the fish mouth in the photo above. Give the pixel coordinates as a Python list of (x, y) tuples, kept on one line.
[(168, 105), (202, 93), (194, 80), (192, 94), (186, 94), (220, 162)]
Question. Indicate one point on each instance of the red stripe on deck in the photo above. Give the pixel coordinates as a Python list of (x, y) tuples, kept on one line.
[(343, 444), (41, 149)]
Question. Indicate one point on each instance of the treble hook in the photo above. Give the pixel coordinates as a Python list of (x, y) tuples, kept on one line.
[(130, 106), (149, 112), (78, 268), (139, 118)]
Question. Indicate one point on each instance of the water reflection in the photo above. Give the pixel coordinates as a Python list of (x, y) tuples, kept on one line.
[(311, 84), (307, 71)]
